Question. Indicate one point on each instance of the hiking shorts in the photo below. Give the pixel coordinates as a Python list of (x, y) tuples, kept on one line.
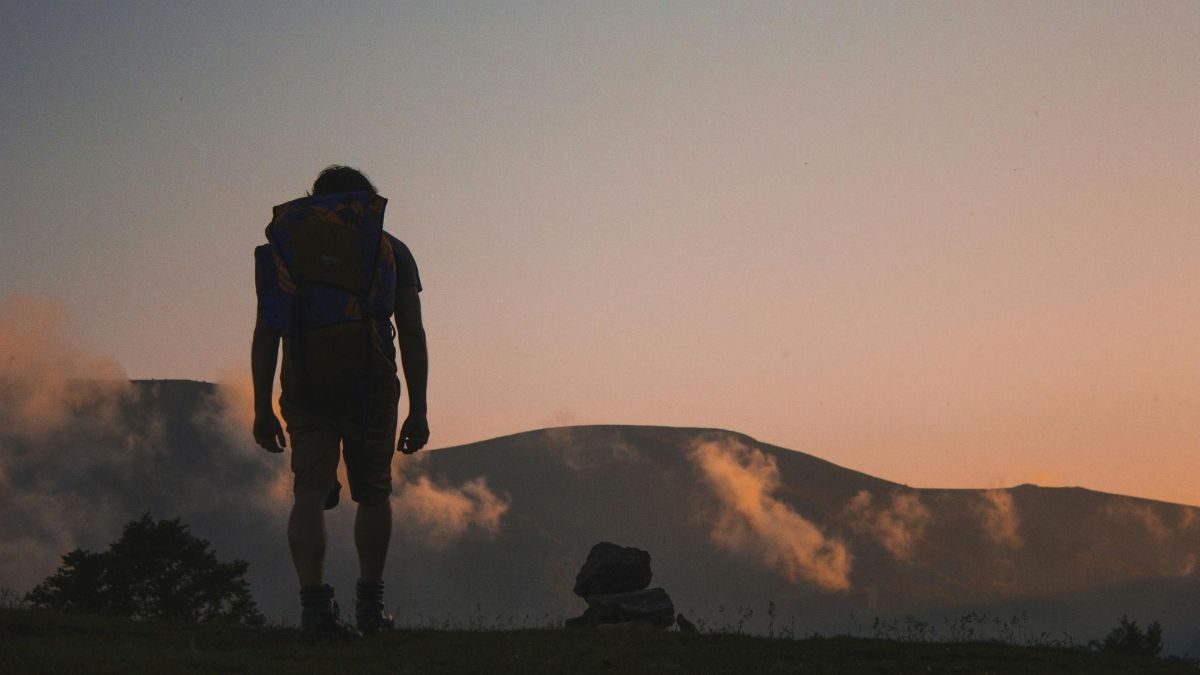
[(319, 440)]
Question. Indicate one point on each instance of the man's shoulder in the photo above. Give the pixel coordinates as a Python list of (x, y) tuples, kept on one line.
[(395, 242), (406, 266), (400, 250)]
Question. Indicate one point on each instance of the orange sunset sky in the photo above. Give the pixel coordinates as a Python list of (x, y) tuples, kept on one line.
[(948, 244)]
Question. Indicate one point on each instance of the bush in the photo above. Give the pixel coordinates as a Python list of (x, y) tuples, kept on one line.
[(156, 570), (1128, 638)]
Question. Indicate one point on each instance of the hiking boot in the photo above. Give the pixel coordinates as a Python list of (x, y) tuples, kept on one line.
[(369, 611), (320, 620), (371, 618), (325, 625)]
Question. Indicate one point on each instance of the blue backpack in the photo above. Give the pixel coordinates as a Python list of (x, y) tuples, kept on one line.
[(336, 280)]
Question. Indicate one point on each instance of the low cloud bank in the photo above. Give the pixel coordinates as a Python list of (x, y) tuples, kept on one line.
[(898, 527), (83, 451), (752, 521)]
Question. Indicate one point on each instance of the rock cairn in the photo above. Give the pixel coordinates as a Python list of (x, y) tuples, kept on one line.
[(613, 581)]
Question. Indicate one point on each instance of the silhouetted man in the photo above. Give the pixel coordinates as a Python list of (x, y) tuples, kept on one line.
[(329, 281)]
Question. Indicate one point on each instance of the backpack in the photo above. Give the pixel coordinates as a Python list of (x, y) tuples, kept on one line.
[(336, 277)]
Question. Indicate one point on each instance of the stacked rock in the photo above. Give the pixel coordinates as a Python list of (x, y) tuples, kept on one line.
[(613, 581)]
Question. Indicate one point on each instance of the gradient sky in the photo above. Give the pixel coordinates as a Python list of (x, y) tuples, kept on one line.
[(948, 244)]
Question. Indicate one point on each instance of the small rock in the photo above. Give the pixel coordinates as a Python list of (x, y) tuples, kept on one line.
[(639, 626), (685, 626), (610, 568), (652, 606)]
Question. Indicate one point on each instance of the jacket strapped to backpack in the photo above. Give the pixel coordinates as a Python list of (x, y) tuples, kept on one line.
[(336, 276)]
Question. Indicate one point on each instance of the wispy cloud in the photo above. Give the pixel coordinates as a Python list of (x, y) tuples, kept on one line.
[(751, 520), (1000, 521), (898, 526), (1146, 516), (586, 451), (439, 513), (44, 378)]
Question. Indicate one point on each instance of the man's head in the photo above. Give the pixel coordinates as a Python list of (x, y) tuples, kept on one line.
[(336, 178)]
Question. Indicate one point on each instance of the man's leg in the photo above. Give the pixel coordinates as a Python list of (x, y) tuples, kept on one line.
[(315, 450), (369, 470), (372, 533), (368, 454), (306, 536), (319, 617)]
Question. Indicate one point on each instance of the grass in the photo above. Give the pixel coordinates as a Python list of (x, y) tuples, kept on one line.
[(47, 642)]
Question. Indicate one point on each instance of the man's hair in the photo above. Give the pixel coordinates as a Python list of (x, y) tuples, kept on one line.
[(337, 178)]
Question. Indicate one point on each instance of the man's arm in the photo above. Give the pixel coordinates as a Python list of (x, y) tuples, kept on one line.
[(264, 353), (414, 359)]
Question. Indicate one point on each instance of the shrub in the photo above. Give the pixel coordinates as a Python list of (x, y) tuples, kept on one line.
[(1128, 638), (156, 570)]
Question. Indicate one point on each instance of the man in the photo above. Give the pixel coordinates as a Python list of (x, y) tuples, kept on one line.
[(325, 291)]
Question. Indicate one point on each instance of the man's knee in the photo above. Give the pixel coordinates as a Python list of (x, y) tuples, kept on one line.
[(309, 498), (370, 495)]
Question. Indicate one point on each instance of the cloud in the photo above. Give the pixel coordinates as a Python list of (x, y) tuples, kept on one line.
[(81, 456), (77, 483), (897, 527), (1187, 517), (752, 521), (232, 410), (581, 450), (440, 514), (1143, 515), (235, 402), (43, 378), (999, 517), (433, 512), (84, 450)]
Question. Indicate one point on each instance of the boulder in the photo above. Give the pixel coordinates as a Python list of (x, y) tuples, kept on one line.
[(610, 568), (650, 606)]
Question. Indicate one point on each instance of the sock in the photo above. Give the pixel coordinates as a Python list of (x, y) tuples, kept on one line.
[(369, 591)]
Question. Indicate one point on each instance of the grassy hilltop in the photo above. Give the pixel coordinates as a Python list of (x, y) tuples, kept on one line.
[(44, 642)]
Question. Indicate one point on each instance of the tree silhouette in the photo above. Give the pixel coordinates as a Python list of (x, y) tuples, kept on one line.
[(156, 570)]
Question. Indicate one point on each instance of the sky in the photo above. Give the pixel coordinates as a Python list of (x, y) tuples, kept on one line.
[(947, 244)]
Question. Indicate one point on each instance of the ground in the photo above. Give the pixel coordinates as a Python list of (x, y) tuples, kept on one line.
[(45, 642)]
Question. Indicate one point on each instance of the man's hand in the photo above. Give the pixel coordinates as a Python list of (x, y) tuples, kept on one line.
[(414, 433), (268, 432)]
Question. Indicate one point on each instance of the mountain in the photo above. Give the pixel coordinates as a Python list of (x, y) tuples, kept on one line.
[(495, 530), (734, 522)]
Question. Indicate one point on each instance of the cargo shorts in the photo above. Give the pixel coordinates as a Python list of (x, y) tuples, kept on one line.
[(319, 440)]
